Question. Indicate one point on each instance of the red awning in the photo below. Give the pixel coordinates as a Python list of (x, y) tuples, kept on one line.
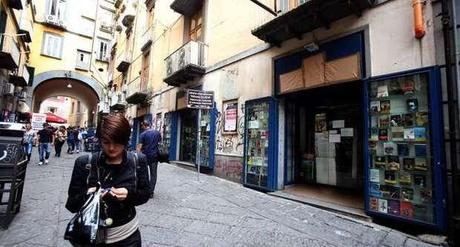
[(53, 118)]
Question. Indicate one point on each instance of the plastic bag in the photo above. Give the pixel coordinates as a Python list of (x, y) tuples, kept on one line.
[(86, 227)]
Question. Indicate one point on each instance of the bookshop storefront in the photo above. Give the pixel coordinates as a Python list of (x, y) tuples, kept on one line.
[(362, 146)]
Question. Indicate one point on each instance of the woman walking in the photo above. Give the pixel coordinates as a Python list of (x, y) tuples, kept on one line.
[(122, 176), (59, 140), (28, 140)]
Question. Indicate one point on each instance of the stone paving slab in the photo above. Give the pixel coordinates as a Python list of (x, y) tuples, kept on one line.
[(185, 212)]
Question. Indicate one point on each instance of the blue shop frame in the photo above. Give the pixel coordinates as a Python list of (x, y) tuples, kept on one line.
[(416, 183), (173, 137), (261, 144)]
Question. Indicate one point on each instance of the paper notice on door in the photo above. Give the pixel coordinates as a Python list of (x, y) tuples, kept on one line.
[(346, 132), (334, 138), (337, 124)]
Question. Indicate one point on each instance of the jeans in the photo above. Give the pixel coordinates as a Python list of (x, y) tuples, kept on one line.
[(44, 150), (28, 149), (71, 147), (153, 165), (78, 145)]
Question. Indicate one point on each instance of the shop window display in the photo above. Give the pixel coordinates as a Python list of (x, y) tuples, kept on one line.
[(400, 174)]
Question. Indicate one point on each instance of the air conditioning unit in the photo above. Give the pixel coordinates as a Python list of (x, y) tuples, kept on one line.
[(8, 89), (169, 66), (181, 58), (61, 23), (51, 18)]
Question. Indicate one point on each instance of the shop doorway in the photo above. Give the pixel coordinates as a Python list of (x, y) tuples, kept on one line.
[(324, 140), (188, 135)]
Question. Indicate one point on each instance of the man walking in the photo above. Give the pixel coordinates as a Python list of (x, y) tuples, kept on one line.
[(45, 139), (148, 144)]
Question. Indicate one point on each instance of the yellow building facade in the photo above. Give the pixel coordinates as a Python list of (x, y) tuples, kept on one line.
[(71, 52)]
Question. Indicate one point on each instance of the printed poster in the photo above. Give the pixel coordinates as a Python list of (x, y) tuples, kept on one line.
[(230, 116)]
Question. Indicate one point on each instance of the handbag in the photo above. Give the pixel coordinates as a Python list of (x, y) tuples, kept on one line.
[(86, 227)]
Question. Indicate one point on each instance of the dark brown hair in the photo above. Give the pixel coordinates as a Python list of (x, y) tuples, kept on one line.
[(114, 128)]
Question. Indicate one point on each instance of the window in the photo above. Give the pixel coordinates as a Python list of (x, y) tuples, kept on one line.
[(106, 18), (52, 45), (83, 60), (103, 50), (78, 107), (196, 21), (52, 109), (57, 8), (145, 70), (72, 109)]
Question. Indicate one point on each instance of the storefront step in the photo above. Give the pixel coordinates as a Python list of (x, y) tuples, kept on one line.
[(184, 164), (348, 211)]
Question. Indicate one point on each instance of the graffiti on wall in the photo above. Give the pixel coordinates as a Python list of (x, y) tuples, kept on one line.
[(230, 168), (230, 143)]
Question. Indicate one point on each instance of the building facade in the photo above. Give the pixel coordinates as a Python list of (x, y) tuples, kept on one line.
[(308, 96), (16, 73), (72, 51)]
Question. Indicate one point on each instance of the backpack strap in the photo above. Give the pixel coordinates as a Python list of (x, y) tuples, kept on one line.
[(135, 161)]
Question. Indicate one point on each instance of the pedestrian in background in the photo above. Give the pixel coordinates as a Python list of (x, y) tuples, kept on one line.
[(45, 138), (28, 140), (70, 141), (59, 138), (77, 138), (148, 145), (119, 171)]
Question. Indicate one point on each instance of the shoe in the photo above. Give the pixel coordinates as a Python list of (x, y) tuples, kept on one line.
[(46, 162), (78, 151), (40, 163)]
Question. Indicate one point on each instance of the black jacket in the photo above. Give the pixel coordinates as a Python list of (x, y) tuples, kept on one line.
[(117, 176)]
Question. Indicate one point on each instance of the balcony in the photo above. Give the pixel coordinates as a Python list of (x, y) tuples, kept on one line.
[(26, 29), (129, 13), (117, 100), (55, 21), (106, 27), (308, 17), (137, 91), (16, 4), (9, 54), (186, 7), (185, 64), (123, 61), (20, 77), (147, 39)]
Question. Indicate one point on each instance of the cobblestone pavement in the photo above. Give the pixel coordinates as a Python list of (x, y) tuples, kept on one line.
[(184, 212)]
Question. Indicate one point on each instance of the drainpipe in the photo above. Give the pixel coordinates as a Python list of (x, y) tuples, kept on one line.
[(454, 211)]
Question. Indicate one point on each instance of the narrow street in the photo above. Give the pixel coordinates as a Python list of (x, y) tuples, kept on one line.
[(184, 212)]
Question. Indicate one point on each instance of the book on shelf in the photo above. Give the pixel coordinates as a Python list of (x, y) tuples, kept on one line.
[(385, 106), (390, 177), (383, 134), (426, 195), (374, 134), (374, 175), (374, 121), (406, 209), (374, 189), (420, 164), (408, 164), (396, 120), (383, 206), (390, 148), (409, 134), (397, 133), (420, 133), (393, 207), (412, 105), (384, 121), (380, 161), (382, 91), (420, 180), (421, 118), (320, 122), (405, 178), (389, 191), (373, 90), (393, 163), (374, 204), (408, 87), (407, 194), (374, 106), (420, 150), (420, 212), (408, 120), (395, 88), (403, 149)]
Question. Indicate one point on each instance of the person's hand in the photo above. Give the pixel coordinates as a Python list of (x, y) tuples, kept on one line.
[(119, 193)]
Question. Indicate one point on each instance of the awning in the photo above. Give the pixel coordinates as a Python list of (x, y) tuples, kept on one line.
[(53, 118)]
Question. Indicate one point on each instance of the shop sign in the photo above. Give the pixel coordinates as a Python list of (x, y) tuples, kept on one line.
[(199, 99), (37, 120)]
